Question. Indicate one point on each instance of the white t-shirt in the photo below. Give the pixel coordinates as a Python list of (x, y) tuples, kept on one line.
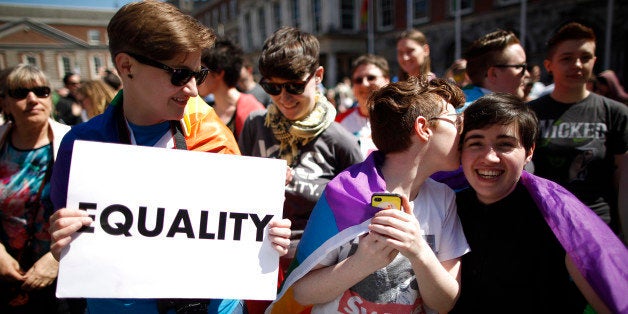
[(360, 126), (394, 289)]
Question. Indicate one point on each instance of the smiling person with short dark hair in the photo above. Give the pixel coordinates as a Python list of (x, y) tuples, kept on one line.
[(534, 246), (298, 126)]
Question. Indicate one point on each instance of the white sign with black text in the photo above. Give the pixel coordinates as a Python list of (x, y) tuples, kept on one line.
[(171, 224)]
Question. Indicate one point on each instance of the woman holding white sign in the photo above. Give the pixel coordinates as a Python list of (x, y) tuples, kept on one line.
[(157, 51)]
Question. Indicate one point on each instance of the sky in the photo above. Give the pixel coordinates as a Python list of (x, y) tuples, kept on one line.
[(100, 4)]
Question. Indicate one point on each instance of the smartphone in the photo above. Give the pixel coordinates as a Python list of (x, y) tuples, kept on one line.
[(386, 200)]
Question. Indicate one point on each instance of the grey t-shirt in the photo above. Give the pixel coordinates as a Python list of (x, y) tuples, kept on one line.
[(320, 160)]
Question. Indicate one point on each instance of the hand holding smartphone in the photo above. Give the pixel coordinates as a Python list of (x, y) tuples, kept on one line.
[(386, 200)]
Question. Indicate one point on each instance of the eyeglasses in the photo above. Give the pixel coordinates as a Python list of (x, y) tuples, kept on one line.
[(178, 77), (358, 80), (21, 93), (457, 123), (294, 88), (521, 67)]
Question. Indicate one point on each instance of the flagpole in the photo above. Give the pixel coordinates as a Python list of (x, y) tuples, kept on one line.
[(369, 26), (608, 35), (409, 12), (523, 21), (458, 30)]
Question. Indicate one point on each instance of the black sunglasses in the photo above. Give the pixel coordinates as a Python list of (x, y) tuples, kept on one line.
[(521, 67), (359, 79), (21, 93), (178, 77), (295, 88)]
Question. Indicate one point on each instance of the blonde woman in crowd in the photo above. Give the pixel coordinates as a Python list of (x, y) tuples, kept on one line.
[(29, 142), (94, 96)]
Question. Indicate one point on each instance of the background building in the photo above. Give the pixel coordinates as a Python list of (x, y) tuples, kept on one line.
[(68, 39), (346, 31), (58, 40)]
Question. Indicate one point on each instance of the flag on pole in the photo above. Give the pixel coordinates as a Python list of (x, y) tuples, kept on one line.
[(364, 14)]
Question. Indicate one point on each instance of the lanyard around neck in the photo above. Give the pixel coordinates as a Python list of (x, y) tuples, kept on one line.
[(124, 135)]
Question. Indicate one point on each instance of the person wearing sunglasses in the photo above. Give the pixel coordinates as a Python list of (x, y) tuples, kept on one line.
[(358, 258), (225, 63), (29, 143), (156, 50), (298, 126), (370, 73), (66, 109), (496, 63)]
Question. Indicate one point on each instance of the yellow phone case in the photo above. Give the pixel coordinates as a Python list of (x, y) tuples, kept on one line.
[(386, 200)]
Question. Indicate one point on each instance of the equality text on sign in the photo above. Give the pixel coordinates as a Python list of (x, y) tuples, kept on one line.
[(118, 219)]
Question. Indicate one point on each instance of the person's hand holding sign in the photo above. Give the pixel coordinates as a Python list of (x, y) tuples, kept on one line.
[(63, 224), (279, 235)]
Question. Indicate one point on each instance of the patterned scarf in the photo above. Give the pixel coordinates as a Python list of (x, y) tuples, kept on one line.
[(292, 135)]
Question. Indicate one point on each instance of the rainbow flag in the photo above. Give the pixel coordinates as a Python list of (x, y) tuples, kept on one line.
[(364, 14), (342, 213)]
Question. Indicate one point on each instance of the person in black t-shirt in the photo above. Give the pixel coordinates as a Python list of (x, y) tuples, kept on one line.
[(583, 137), (521, 258)]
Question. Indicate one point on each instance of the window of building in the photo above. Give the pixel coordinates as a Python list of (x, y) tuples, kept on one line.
[(215, 20), (32, 59), (248, 29), (466, 7), (347, 14), (296, 16), (207, 19), (233, 7), (385, 14), (224, 17), (316, 15), (420, 11), (96, 62), (93, 37), (261, 16), (65, 64), (276, 11), (507, 2)]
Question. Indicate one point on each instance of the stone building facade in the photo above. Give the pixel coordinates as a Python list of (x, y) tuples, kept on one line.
[(341, 26), (64, 39), (56, 39)]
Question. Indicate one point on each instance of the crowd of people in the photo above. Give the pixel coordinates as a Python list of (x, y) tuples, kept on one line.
[(513, 192)]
